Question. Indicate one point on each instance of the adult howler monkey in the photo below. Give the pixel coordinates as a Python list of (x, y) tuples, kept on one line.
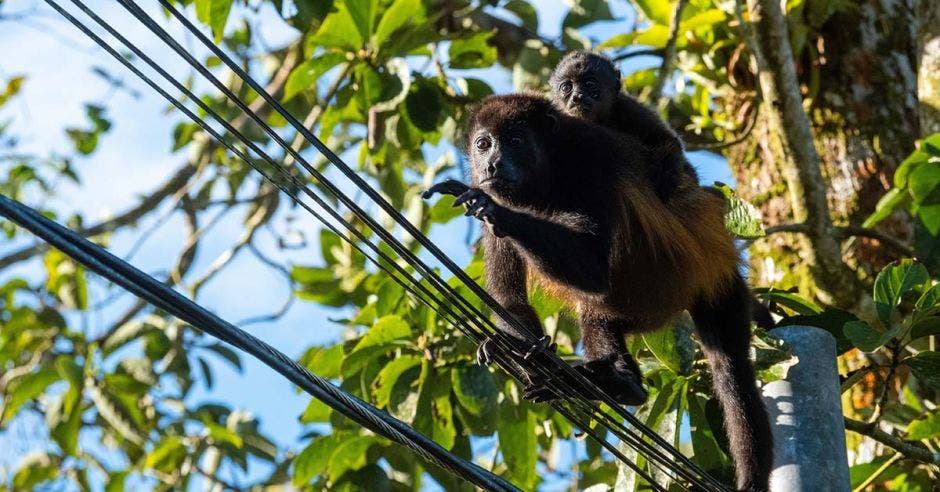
[(566, 201)]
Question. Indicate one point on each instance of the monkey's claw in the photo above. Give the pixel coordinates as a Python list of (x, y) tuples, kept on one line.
[(447, 187), (543, 344), (486, 352)]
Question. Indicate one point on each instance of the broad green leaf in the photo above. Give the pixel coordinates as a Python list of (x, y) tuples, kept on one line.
[(619, 41), (424, 107), (518, 443), (349, 454), (475, 389), (929, 299), (863, 336), (662, 343), (923, 182), (223, 434), (339, 29), (927, 428), (363, 13), (27, 387), (707, 453), (741, 218), (389, 375), (472, 52), (305, 75), (893, 282), (584, 12), (324, 362), (791, 301), (110, 411), (214, 13), (386, 330), (926, 367), (525, 12), (316, 411), (313, 460), (656, 36), (658, 11), (405, 395), (399, 14), (168, 455), (925, 327)]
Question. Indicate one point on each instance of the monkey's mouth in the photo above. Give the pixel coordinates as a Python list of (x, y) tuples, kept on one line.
[(580, 108)]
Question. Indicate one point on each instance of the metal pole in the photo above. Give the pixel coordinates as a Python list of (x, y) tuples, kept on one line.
[(806, 416)]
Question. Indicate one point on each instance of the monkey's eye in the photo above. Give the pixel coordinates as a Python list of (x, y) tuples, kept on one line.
[(566, 86), (591, 84), (515, 141), (482, 143)]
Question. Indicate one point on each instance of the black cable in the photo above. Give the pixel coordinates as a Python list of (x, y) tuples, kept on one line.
[(423, 299), (146, 287), (585, 384)]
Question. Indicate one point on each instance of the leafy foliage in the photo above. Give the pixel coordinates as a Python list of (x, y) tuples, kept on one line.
[(389, 82)]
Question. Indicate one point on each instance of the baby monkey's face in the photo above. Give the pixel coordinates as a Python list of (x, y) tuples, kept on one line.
[(582, 96)]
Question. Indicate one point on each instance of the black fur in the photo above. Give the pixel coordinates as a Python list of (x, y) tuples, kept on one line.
[(604, 103), (569, 201)]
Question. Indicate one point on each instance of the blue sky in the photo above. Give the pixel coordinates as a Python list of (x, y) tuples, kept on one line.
[(135, 156)]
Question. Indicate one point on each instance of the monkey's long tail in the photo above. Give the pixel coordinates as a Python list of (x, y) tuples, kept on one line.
[(723, 327)]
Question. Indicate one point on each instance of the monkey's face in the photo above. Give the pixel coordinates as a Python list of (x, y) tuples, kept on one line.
[(504, 159), (583, 95)]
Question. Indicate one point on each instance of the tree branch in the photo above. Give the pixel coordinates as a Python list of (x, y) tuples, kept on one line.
[(910, 449), (669, 54), (770, 43), (846, 232)]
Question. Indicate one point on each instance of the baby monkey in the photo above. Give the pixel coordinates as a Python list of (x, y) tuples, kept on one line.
[(587, 85)]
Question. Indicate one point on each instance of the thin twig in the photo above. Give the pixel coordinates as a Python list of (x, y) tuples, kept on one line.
[(846, 232)]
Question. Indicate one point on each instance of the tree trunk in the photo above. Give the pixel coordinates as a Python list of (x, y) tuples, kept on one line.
[(857, 74)]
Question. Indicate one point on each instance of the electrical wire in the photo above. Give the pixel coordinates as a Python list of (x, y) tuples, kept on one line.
[(430, 275), (146, 287)]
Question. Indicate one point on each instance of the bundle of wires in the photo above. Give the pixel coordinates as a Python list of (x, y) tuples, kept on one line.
[(580, 401)]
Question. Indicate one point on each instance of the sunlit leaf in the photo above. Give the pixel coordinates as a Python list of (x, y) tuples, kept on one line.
[(893, 282), (475, 389), (926, 367)]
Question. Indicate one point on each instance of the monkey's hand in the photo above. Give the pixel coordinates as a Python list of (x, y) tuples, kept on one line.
[(447, 187), (482, 206), (614, 377)]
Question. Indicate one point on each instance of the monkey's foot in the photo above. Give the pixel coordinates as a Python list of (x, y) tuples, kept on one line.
[(486, 352), (613, 377)]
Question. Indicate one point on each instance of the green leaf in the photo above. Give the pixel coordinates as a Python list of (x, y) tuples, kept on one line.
[(662, 343), (167, 456), (927, 428), (472, 52), (386, 330), (389, 375), (741, 218), (863, 336), (885, 207), (399, 14), (34, 469), (27, 387), (791, 301), (925, 327), (926, 367), (12, 88), (475, 389), (584, 12), (518, 443), (658, 11), (324, 362), (894, 281), (339, 29), (214, 13), (923, 182), (305, 75), (313, 459), (350, 454), (316, 411), (223, 434), (424, 107), (525, 12)]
